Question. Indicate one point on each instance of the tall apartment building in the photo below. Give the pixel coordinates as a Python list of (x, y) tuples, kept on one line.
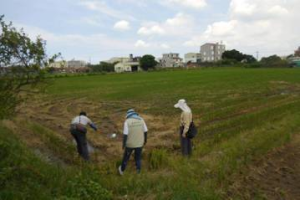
[(212, 52)]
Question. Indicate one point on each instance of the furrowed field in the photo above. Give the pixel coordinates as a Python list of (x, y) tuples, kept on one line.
[(244, 116)]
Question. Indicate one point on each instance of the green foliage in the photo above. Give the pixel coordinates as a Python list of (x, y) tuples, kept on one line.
[(238, 56), (21, 62), (24, 176), (274, 61), (158, 158), (81, 188), (148, 62), (103, 67)]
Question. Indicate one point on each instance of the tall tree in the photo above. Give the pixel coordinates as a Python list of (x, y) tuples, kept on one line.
[(21, 66), (148, 62)]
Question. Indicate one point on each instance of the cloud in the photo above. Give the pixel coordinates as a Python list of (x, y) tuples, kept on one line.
[(180, 24), (165, 46), (248, 10), (77, 45), (102, 7), (267, 26), (141, 44), (192, 4), (223, 28), (122, 25), (155, 29)]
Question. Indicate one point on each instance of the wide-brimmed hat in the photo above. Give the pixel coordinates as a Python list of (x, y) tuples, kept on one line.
[(182, 105)]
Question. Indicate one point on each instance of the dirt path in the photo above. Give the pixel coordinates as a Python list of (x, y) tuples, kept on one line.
[(276, 176)]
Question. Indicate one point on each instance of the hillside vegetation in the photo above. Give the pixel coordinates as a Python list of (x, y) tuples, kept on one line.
[(242, 114)]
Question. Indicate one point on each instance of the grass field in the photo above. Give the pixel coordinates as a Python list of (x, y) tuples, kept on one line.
[(241, 113)]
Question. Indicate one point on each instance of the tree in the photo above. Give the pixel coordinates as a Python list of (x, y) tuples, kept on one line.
[(238, 56), (273, 61), (103, 67), (21, 66), (233, 55), (249, 59), (148, 62)]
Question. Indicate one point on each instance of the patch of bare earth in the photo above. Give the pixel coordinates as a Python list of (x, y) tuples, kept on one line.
[(276, 176)]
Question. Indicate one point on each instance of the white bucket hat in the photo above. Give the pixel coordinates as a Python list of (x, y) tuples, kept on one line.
[(182, 105)]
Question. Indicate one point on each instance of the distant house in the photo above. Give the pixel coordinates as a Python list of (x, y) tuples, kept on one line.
[(212, 52), (171, 60), (59, 66), (130, 64), (192, 58)]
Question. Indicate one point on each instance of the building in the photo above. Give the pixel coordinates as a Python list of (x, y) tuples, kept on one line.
[(297, 52), (59, 64), (118, 60), (212, 52), (192, 58), (171, 60), (77, 66), (130, 64)]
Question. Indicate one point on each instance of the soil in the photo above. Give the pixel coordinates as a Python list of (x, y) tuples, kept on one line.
[(275, 176)]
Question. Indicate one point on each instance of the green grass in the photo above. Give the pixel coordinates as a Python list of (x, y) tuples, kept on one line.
[(241, 114), (24, 176)]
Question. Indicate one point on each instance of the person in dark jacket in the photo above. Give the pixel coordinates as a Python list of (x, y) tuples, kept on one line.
[(78, 130), (134, 138)]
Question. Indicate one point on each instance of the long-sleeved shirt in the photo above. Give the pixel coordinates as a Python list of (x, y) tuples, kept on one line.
[(185, 121)]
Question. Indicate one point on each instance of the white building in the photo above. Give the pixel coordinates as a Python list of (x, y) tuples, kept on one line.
[(192, 57), (212, 52), (59, 64), (130, 64)]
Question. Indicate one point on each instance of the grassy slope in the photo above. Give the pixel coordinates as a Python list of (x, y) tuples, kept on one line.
[(243, 114)]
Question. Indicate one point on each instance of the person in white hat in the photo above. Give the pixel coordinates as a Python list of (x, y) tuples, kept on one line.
[(185, 121)]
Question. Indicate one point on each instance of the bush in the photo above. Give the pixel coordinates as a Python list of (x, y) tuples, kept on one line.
[(81, 188)]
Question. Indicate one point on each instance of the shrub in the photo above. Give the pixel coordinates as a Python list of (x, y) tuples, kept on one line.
[(81, 188)]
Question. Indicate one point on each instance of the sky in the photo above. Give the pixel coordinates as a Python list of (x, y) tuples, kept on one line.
[(96, 30)]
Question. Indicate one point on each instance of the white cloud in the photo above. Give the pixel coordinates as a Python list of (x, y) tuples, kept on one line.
[(141, 43), (267, 26), (193, 4), (78, 46), (278, 11), (221, 28), (102, 7), (122, 25), (151, 30), (181, 24), (165, 46)]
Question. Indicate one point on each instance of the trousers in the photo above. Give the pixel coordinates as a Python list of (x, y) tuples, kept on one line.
[(137, 157), (185, 143), (81, 142)]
